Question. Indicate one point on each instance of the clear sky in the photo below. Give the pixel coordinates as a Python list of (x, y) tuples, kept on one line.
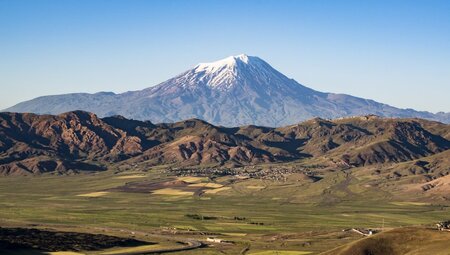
[(395, 52)]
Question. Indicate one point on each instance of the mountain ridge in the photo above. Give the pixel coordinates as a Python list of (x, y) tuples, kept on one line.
[(235, 91), (79, 141)]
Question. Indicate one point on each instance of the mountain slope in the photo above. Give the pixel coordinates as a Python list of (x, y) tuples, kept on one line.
[(43, 143), (238, 90), (80, 140), (398, 242)]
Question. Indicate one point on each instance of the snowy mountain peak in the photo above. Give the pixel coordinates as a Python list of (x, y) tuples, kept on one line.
[(237, 90), (229, 62), (226, 73), (242, 57)]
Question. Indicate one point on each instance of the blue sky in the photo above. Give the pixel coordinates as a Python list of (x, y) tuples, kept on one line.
[(396, 52)]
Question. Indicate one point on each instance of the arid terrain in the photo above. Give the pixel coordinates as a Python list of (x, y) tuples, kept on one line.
[(33, 144)]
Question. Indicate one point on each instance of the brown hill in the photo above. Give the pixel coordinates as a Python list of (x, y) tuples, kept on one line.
[(368, 140), (400, 241), (43, 143), (79, 140)]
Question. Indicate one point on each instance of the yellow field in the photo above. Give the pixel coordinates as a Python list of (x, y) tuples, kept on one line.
[(206, 185), (214, 191), (172, 192), (143, 248), (255, 187), (94, 194), (409, 203), (235, 234), (192, 179)]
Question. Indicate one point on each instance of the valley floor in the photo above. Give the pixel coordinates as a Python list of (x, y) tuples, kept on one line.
[(295, 215)]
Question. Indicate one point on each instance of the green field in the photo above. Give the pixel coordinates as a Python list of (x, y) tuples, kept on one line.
[(294, 217)]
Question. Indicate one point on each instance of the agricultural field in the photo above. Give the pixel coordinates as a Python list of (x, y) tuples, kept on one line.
[(296, 215)]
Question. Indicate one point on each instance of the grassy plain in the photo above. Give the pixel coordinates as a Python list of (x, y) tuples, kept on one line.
[(293, 217)]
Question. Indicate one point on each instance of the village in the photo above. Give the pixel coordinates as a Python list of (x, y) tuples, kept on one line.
[(273, 173)]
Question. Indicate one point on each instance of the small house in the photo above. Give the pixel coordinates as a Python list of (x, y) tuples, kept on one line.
[(214, 240)]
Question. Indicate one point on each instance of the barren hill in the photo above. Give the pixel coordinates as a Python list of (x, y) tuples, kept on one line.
[(80, 140), (398, 242)]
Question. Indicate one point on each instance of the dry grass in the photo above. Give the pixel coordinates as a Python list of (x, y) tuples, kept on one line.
[(144, 249), (409, 203), (172, 192), (94, 194), (440, 185), (412, 241), (192, 179), (235, 234), (214, 191), (255, 187)]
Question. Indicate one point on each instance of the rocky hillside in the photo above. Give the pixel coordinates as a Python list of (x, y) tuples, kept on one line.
[(80, 141)]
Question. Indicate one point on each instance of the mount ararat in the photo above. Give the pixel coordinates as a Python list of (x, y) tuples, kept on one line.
[(238, 90)]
